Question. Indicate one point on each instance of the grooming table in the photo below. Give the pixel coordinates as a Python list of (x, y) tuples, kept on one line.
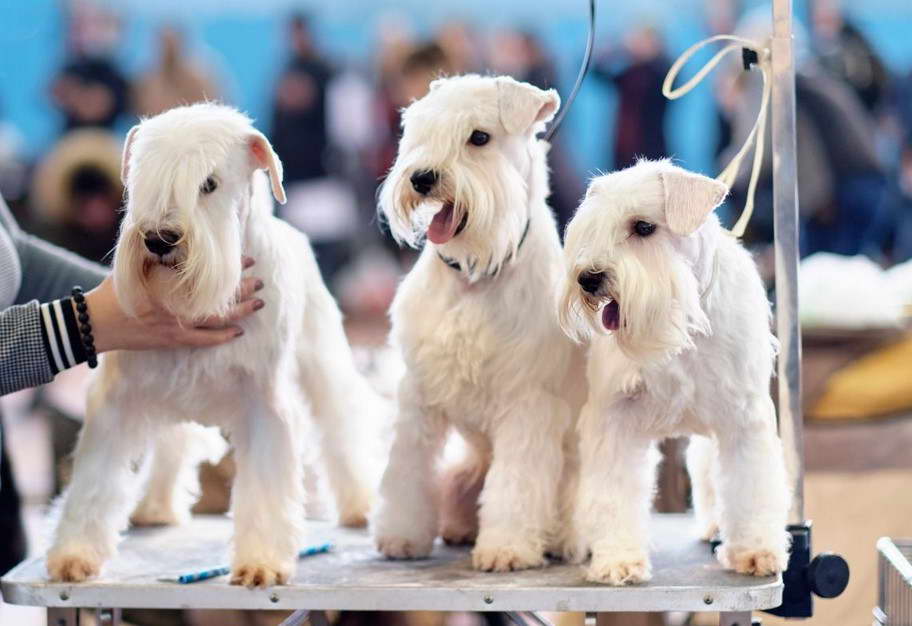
[(686, 577)]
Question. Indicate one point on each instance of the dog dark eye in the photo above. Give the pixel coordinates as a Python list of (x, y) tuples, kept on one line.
[(479, 138), (644, 229), (209, 186)]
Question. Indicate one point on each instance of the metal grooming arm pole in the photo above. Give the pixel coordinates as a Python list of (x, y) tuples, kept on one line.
[(826, 575), (785, 210)]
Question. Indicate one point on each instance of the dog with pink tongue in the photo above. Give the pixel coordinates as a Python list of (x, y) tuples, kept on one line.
[(476, 323)]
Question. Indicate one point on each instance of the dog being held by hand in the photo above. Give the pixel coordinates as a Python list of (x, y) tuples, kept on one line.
[(680, 344), (197, 201), (476, 323)]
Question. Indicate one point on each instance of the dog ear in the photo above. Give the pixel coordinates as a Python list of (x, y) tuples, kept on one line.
[(266, 159), (127, 150), (524, 107), (689, 198)]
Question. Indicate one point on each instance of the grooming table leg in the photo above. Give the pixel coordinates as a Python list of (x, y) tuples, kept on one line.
[(107, 617), (525, 618), (57, 616), (735, 619)]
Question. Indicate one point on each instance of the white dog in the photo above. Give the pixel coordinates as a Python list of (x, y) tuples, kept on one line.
[(681, 344), (476, 322), (197, 201)]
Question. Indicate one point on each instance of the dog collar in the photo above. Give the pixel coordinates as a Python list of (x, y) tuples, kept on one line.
[(454, 264)]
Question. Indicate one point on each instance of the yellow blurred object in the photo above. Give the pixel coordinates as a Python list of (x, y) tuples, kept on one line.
[(79, 148), (877, 385)]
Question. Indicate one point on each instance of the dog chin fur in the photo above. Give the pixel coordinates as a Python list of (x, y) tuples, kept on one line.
[(483, 350), (293, 361), (693, 355)]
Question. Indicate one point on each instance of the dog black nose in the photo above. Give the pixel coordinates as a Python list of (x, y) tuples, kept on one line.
[(161, 242), (423, 181), (590, 281)]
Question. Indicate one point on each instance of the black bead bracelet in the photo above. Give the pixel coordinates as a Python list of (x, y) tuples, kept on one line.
[(85, 328)]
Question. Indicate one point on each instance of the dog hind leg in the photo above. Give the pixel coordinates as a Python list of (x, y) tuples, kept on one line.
[(173, 485)]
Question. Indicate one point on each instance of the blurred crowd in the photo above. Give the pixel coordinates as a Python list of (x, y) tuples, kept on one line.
[(335, 126)]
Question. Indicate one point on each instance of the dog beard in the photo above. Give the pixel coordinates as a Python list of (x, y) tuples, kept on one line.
[(484, 210), (653, 307), (202, 281)]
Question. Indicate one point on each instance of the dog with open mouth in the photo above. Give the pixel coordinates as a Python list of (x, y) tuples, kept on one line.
[(678, 325), (475, 321)]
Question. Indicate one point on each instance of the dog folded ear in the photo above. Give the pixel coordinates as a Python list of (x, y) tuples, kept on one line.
[(689, 198), (127, 151), (265, 158), (523, 107)]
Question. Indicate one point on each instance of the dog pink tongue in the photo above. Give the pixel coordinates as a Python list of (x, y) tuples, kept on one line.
[(611, 316), (443, 226)]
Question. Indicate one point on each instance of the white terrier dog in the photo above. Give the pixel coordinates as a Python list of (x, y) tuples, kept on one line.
[(197, 201), (681, 344), (476, 323)]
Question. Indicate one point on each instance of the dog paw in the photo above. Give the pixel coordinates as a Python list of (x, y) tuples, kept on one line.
[(259, 575), (458, 532), (72, 567), (505, 559), (401, 548), (619, 568), (353, 519), (152, 515), (754, 562), (708, 531), (354, 509)]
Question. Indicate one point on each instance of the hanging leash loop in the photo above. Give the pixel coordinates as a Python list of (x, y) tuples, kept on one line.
[(752, 53), (580, 77)]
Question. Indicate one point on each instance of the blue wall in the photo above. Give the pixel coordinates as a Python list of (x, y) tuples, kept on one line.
[(245, 41)]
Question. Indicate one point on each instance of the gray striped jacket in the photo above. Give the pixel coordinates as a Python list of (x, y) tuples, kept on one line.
[(31, 272)]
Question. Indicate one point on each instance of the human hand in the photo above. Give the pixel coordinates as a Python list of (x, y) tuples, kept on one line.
[(154, 327)]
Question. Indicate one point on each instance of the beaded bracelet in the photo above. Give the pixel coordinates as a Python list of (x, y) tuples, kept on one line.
[(85, 328)]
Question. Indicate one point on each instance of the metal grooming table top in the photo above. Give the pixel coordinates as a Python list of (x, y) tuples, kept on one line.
[(353, 576)]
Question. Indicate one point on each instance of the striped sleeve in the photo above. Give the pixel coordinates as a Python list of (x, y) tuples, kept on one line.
[(60, 335)]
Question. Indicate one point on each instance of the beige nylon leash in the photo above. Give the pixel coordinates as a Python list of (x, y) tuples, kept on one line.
[(757, 135)]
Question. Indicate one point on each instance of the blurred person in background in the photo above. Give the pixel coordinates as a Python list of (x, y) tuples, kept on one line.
[(299, 110), (13, 174), (77, 194), (175, 81), (522, 55), (899, 206), (320, 202), (461, 45), (90, 89), (637, 72), (841, 182), (845, 52)]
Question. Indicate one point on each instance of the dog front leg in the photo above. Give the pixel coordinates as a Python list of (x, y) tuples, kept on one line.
[(614, 498), (753, 492), (405, 523), (519, 502), (267, 498), (102, 490)]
